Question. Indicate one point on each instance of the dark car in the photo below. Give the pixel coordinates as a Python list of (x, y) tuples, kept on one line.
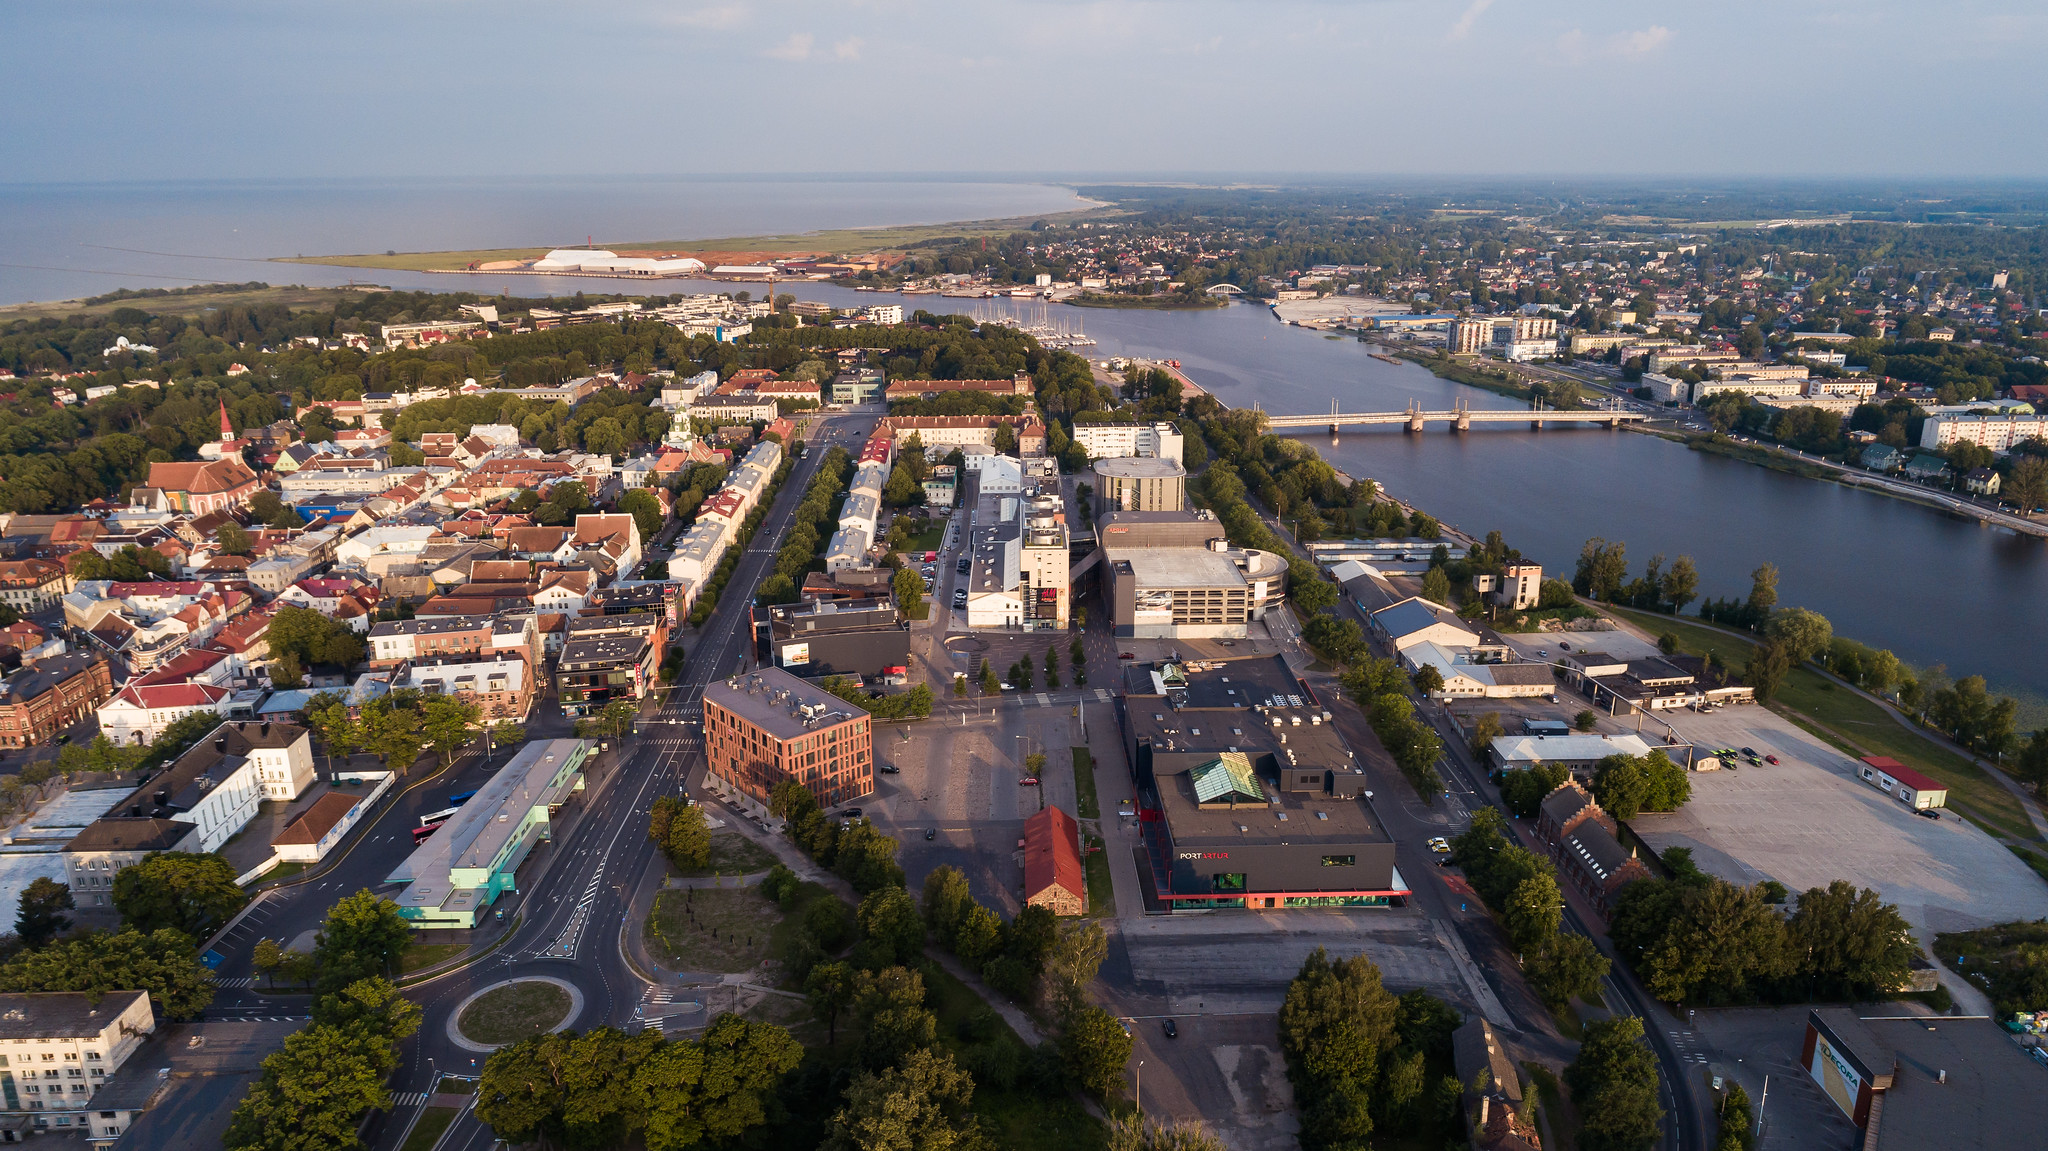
[(931, 833), (1928, 813), (963, 565), (1750, 752), (888, 769), (850, 813), (1172, 1029)]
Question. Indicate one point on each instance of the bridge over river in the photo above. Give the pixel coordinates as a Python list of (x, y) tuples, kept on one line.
[(1460, 418)]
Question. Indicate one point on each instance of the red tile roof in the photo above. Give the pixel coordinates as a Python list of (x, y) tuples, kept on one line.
[(1052, 854)]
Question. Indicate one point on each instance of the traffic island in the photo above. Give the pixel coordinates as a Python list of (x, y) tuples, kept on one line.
[(505, 1013)]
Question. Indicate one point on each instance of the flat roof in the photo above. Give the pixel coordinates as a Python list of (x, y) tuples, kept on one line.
[(1288, 817), (1139, 467), (775, 701), (1572, 748), (473, 836), (600, 649), (1982, 1103), (61, 1014), (1178, 567)]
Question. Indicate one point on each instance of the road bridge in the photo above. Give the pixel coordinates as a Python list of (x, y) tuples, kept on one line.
[(1460, 418)]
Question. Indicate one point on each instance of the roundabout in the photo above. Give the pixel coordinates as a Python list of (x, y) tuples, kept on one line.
[(513, 1009)]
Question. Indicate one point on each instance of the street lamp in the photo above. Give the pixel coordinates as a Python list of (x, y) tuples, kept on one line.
[(1140, 1093)]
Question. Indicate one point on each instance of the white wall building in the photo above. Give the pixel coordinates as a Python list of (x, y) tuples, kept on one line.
[(1999, 433), (1100, 441), (59, 1048), (138, 715)]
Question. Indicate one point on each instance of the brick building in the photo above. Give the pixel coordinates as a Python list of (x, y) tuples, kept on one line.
[(1581, 838), (767, 726), (38, 702)]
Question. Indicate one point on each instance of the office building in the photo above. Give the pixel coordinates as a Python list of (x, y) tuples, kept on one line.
[(1468, 337), (768, 726), (608, 658), (38, 702), (852, 637), (1254, 800), (1173, 574)]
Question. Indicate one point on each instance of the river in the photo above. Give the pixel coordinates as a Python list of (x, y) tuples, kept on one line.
[(1931, 588)]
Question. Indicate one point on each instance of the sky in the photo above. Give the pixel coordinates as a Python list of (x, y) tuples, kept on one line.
[(142, 89)]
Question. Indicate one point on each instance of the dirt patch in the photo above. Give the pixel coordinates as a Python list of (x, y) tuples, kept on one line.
[(514, 1012), (725, 929)]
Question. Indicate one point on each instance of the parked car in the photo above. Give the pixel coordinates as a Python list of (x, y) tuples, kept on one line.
[(1171, 1029), (1126, 655), (1771, 759), (931, 833), (963, 565), (1928, 813), (1440, 845), (1028, 781), (889, 769), (1750, 752)]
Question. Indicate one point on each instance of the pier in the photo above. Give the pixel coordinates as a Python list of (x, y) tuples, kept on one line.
[(1460, 418)]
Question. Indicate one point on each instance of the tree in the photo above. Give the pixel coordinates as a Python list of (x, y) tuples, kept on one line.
[(1533, 913), (890, 929), (1614, 1085), (1524, 791), (1802, 633), (1619, 785), (506, 733), (363, 936), (1337, 1031), (180, 890), (1565, 968), (1436, 586), (689, 838), (1602, 569), (715, 1089), (1552, 594), (1428, 680), (341, 733), (163, 963), (311, 1095), (266, 959), (1766, 670), (645, 510), (2032, 765), (1586, 720), (1681, 584), (232, 539), (312, 638), (1763, 595), (1485, 730), (1072, 957), (2027, 486), (1313, 596), (909, 588), (1094, 1048), (830, 988), (446, 722), (1850, 943), (920, 1105), (43, 904)]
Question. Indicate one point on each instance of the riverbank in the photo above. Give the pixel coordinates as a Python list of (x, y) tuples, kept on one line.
[(1148, 303)]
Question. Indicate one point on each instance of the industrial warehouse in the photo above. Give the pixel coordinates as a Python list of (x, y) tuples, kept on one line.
[(1250, 797)]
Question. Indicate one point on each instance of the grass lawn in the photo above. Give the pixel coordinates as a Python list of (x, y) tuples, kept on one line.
[(283, 871), (1101, 892), (1564, 1122), (1859, 727), (1016, 1119), (515, 1012), (927, 540), (725, 929), (449, 1085), (2009, 962), (418, 956), (1085, 803), (427, 1132), (735, 854)]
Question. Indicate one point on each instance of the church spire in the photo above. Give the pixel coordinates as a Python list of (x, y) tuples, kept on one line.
[(227, 430)]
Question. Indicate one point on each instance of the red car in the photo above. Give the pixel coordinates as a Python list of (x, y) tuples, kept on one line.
[(1771, 759), (1125, 655), (1028, 781)]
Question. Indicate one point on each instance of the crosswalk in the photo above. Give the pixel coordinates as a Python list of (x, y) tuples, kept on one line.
[(1044, 699), (235, 984), (409, 1098), (1689, 1045)]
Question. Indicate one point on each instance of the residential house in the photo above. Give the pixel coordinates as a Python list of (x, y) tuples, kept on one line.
[(205, 486), (138, 714), (1983, 481), (501, 688), (29, 586)]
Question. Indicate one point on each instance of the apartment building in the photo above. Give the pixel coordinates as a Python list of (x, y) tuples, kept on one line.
[(58, 1048), (1157, 440)]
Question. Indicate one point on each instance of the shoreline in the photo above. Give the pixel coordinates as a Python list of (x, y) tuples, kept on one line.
[(1775, 459)]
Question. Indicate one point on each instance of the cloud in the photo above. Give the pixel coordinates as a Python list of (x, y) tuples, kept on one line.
[(797, 47), (1578, 48), (1464, 25), (716, 16), (848, 49)]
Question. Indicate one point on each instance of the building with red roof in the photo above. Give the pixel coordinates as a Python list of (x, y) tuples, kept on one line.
[(1902, 783), (1053, 877), (139, 713)]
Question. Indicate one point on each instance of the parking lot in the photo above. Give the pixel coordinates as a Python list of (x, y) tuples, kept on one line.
[(1809, 820)]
